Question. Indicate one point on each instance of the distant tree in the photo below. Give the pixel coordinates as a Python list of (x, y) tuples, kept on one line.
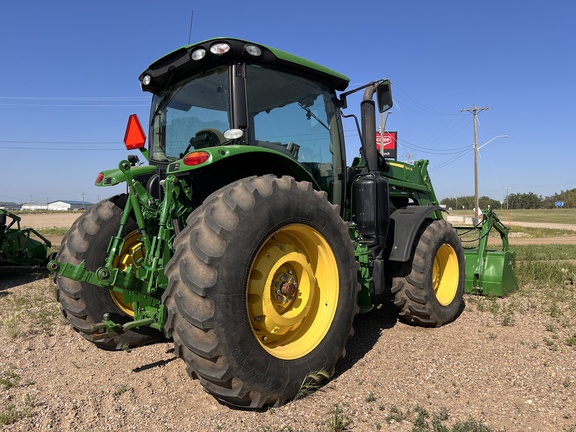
[(567, 197), (460, 203), (467, 203), (514, 201), (525, 201)]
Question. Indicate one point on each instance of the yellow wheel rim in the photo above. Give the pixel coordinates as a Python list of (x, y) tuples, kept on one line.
[(445, 274), (132, 253), (292, 292)]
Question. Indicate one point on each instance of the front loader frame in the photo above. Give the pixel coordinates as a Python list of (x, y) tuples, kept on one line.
[(489, 271)]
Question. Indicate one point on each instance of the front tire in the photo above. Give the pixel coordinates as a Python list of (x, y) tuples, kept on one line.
[(84, 304), (429, 290), (262, 290)]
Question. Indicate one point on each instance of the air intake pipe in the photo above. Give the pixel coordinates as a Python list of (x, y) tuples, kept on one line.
[(371, 209)]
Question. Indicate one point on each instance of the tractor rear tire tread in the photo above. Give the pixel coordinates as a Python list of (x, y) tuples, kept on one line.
[(206, 298)]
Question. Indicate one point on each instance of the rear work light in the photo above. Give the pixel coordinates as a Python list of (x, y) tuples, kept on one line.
[(199, 54), (196, 158), (253, 50), (134, 138), (220, 48)]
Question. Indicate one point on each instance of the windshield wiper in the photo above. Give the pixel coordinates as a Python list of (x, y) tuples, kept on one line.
[(309, 114)]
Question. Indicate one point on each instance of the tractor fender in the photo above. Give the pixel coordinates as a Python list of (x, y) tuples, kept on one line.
[(404, 224)]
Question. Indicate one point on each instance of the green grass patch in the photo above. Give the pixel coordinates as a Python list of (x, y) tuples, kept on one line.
[(544, 273), (52, 231), (539, 232), (545, 252), (567, 216), (30, 311)]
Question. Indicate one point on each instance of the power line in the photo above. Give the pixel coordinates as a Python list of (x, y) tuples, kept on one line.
[(57, 142), (417, 106), (73, 98), (61, 149)]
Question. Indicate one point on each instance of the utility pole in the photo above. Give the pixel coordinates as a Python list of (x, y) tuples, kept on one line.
[(408, 157), (474, 110)]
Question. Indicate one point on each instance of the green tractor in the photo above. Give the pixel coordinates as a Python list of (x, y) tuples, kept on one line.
[(247, 238), (21, 249)]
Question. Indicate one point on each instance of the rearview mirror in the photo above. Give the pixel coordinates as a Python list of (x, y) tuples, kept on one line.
[(384, 93)]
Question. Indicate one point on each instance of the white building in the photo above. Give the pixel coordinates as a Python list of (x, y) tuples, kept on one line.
[(64, 205), (34, 206)]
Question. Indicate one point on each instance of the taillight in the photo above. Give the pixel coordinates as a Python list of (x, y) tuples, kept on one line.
[(196, 158), (134, 138), (99, 178)]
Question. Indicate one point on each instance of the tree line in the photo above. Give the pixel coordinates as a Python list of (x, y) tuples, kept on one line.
[(514, 201)]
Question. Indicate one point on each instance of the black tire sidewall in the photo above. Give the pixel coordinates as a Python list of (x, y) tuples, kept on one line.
[(258, 369), (442, 313)]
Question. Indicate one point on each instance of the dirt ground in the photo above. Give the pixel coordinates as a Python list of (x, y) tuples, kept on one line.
[(49, 220), (513, 374)]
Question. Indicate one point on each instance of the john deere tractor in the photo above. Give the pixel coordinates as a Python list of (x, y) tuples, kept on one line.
[(246, 237)]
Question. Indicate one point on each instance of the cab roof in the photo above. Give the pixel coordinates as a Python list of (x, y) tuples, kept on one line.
[(185, 61)]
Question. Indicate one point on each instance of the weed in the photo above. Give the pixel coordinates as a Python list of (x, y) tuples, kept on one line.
[(371, 397), (12, 327), (9, 379), (121, 390), (312, 382), (494, 306), (471, 425), (395, 414), (508, 319), (421, 416), (338, 421), (10, 414), (443, 415), (422, 421), (571, 341)]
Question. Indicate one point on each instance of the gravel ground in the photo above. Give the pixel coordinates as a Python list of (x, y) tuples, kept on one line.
[(507, 363)]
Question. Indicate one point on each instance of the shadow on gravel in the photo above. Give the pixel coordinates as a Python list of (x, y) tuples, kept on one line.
[(15, 278), (153, 365), (367, 330)]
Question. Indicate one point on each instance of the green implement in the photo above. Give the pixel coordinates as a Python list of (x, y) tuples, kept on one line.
[(489, 271), (21, 248)]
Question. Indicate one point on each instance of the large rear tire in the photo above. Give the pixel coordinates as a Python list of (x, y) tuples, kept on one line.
[(428, 291), (262, 290), (84, 304)]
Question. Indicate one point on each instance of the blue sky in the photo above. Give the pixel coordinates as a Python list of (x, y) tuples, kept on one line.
[(69, 80)]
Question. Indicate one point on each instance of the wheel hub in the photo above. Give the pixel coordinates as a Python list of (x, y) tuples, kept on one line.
[(292, 291)]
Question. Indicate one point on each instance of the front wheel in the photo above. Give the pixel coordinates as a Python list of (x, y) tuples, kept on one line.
[(262, 290), (429, 290)]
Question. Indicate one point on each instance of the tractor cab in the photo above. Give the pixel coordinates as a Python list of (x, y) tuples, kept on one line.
[(225, 97)]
